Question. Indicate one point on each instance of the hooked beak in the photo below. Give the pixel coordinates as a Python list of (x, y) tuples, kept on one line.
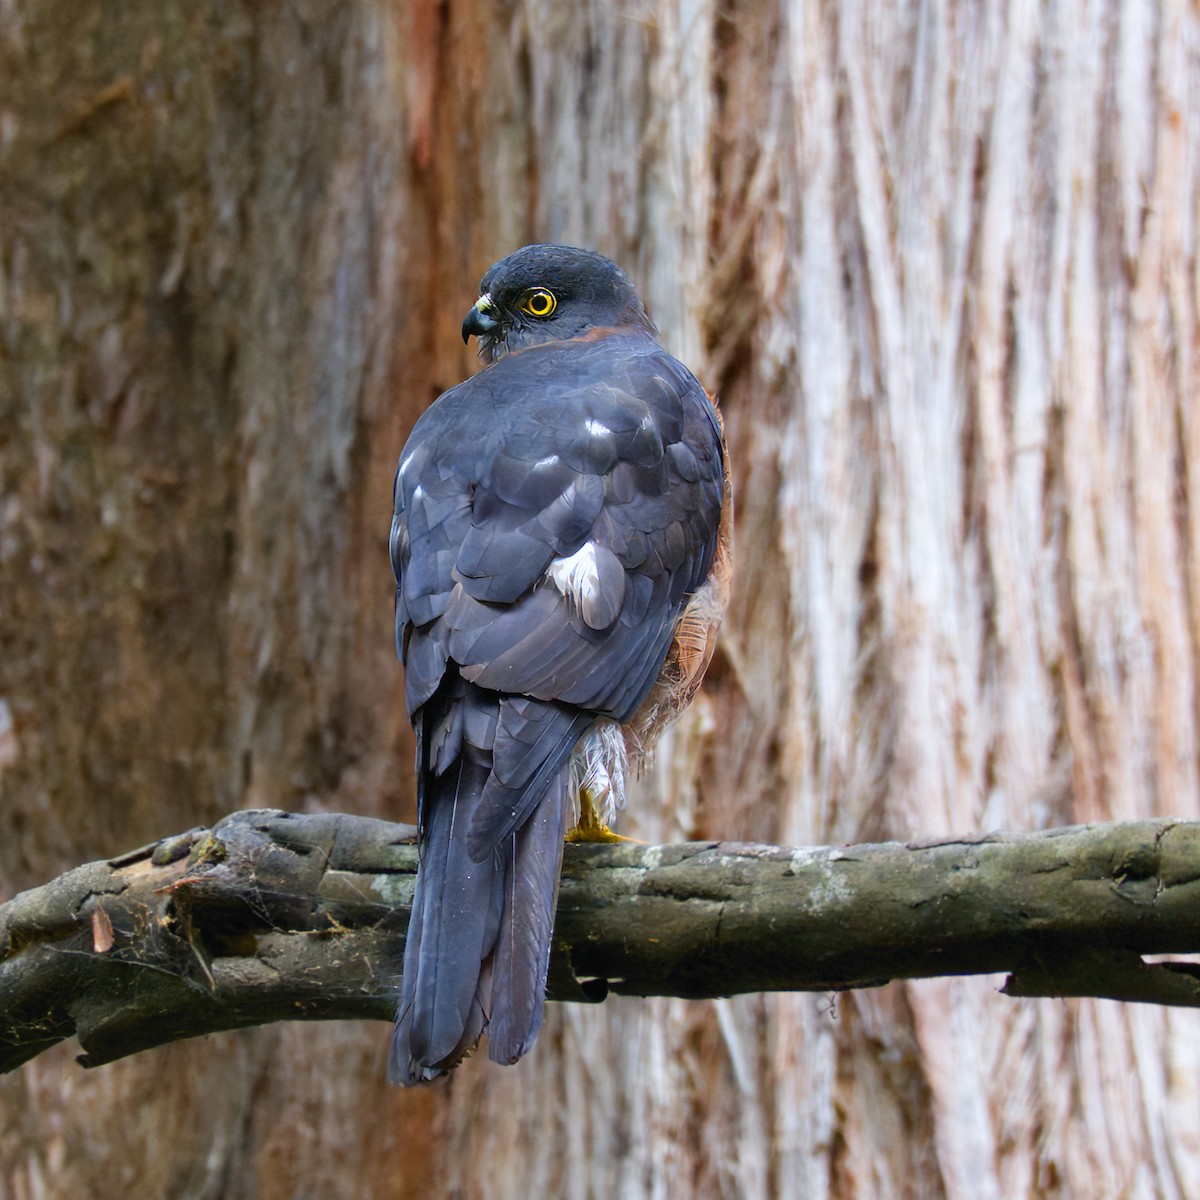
[(480, 321)]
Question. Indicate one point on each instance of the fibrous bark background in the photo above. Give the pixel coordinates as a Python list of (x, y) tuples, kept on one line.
[(939, 263)]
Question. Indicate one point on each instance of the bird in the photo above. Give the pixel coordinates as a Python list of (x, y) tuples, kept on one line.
[(560, 542)]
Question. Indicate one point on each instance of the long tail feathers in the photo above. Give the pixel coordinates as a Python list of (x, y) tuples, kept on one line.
[(533, 860), (455, 918), (478, 947)]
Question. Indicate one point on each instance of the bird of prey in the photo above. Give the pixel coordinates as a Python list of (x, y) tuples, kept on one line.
[(558, 545)]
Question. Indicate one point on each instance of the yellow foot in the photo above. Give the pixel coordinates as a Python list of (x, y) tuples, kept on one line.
[(595, 831), (590, 828)]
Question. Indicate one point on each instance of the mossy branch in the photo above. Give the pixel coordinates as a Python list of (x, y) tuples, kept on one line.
[(272, 916)]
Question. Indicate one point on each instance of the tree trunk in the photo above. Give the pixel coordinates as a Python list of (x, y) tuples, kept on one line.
[(939, 264)]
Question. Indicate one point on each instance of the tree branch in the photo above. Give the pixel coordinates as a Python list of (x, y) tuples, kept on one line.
[(271, 916)]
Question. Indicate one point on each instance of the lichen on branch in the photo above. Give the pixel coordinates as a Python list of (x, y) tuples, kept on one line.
[(272, 916)]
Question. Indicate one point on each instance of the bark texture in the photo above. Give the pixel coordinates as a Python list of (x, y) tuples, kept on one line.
[(938, 261), (273, 916)]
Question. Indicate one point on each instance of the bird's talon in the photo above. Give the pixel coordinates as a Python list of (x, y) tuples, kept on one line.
[(590, 827), (597, 832)]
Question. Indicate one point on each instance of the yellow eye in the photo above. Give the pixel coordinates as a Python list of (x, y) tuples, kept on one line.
[(538, 302)]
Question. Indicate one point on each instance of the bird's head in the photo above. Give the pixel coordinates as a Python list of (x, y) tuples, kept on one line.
[(544, 293)]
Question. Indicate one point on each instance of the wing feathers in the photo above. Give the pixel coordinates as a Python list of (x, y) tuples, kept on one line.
[(611, 445), (534, 740), (553, 516)]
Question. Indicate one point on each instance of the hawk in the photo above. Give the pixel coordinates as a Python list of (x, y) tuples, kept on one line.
[(557, 530)]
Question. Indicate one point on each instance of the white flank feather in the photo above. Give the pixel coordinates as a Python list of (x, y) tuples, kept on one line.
[(577, 576)]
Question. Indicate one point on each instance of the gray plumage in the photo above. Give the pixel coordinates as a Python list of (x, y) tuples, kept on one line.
[(553, 515)]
